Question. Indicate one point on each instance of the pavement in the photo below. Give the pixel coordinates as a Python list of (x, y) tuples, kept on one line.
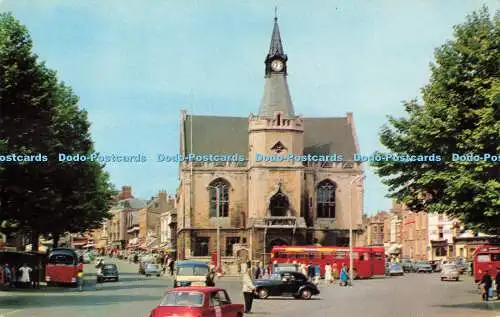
[(412, 295)]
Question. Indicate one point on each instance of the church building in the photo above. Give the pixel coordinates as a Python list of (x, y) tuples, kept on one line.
[(264, 203)]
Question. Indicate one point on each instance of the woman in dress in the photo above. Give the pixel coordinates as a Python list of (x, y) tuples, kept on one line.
[(335, 272), (328, 274), (343, 275)]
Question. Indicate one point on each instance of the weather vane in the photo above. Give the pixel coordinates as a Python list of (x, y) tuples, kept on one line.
[(276, 13)]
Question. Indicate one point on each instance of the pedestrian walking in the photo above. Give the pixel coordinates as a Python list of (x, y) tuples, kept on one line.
[(80, 277), (259, 271), (335, 272), (485, 286), (7, 275), (310, 272), (25, 272), (248, 290), (317, 274), (210, 277), (328, 274), (171, 266), (497, 281), (343, 275)]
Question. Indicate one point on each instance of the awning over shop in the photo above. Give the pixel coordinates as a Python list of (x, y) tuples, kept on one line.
[(439, 243)]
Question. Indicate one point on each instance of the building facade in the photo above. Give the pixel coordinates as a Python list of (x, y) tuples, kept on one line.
[(415, 235), (168, 228), (262, 199), (150, 222), (441, 233), (123, 228), (375, 229)]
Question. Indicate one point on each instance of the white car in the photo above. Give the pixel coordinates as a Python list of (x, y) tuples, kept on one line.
[(450, 272)]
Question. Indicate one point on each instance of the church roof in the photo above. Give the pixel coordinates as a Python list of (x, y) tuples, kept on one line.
[(276, 47), (276, 97), (229, 135)]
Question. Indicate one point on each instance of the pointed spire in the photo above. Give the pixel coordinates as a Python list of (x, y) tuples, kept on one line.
[(276, 48)]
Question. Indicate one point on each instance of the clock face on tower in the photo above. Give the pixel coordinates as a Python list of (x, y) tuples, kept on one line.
[(277, 65)]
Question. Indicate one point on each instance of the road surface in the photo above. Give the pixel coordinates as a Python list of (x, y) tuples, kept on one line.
[(412, 295)]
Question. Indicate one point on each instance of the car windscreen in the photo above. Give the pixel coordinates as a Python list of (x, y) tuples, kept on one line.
[(110, 267), (62, 259), (152, 266), (195, 270), (183, 299), (450, 267), (395, 267)]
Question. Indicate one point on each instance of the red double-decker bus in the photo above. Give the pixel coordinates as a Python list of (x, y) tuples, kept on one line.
[(367, 261), (486, 259)]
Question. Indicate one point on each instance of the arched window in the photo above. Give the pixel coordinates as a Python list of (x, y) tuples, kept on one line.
[(223, 200), (325, 205)]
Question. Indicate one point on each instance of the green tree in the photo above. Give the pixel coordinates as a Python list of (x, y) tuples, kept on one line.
[(460, 114), (25, 118), (40, 115)]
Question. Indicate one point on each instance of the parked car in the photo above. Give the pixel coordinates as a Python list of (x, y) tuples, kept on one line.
[(422, 267), (197, 301), (109, 272), (407, 265), (152, 269), (286, 284), (394, 269), (450, 272)]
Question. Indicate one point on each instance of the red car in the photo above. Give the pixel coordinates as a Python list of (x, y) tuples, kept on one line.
[(197, 301)]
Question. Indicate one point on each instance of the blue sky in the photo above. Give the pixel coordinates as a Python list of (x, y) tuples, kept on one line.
[(136, 64)]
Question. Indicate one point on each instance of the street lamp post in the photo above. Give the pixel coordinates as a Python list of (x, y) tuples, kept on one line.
[(351, 260), (217, 207)]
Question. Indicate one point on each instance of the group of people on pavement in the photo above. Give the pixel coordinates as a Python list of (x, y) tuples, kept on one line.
[(486, 285), (332, 274), (23, 276)]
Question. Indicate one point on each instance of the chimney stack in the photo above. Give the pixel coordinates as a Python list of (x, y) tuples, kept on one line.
[(349, 118), (126, 192)]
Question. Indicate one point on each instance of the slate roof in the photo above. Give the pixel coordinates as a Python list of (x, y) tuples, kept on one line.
[(229, 135), (276, 97), (132, 203)]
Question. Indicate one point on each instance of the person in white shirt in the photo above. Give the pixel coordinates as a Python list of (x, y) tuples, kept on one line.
[(248, 290), (25, 272)]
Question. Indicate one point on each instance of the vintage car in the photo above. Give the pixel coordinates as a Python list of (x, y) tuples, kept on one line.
[(109, 272), (450, 271), (394, 269), (190, 273), (422, 267), (197, 301), (286, 284), (152, 269)]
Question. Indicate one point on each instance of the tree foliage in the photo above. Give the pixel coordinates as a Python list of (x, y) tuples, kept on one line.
[(460, 114), (40, 115)]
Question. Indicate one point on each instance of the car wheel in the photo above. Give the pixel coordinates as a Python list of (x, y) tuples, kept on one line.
[(157, 275), (306, 294), (263, 293), (117, 279), (457, 279), (147, 275), (442, 279)]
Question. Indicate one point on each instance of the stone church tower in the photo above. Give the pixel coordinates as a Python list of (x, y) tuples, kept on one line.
[(296, 185)]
